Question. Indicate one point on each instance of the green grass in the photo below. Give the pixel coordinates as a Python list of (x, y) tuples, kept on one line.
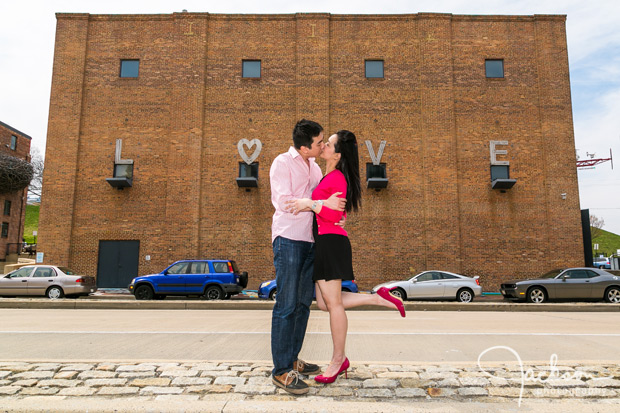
[(32, 222), (608, 243)]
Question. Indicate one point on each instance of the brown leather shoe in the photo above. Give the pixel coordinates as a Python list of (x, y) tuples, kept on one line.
[(306, 368), (290, 382)]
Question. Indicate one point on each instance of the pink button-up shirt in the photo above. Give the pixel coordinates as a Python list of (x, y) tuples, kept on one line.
[(292, 178)]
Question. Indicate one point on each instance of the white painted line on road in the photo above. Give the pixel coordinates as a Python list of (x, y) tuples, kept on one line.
[(319, 333)]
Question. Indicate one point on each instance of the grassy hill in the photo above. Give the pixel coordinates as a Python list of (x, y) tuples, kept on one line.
[(32, 222), (608, 243)]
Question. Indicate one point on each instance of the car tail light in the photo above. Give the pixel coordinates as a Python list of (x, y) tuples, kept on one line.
[(354, 282), (79, 280), (230, 268), (478, 281)]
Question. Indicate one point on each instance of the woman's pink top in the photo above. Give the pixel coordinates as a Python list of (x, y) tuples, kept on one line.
[(327, 218)]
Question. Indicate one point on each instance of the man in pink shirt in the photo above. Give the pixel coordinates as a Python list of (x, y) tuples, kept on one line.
[(294, 175)]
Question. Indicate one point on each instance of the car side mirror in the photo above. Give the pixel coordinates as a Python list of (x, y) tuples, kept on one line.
[(165, 272), (564, 277), (415, 280)]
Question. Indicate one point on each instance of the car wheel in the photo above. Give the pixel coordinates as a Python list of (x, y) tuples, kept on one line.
[(612, 295), (144, 292), (272, 294), (465, 295), (536, 295), (54, 293), (214, 293), (400, 293)]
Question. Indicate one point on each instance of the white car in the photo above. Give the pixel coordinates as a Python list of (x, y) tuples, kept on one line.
[(46, 280), (435, 284)]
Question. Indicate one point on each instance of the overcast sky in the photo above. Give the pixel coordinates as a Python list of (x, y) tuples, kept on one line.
[(593, 29)]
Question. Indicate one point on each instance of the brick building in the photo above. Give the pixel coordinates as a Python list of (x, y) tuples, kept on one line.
[(438, 88), (12, 204)]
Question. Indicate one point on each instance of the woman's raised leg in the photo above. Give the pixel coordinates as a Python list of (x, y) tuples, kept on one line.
[(331, 295)]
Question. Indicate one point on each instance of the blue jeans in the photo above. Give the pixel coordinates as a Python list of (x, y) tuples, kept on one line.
[(294, 262)]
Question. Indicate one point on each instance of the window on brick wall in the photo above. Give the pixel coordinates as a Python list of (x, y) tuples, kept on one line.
[(374, 69), (7, 207), (130, 68), (13, 142), (494, 68), (5, 230), (251, 69)]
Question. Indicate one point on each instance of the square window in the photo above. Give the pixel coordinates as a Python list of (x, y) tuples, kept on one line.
[(500, 172), (7, 207), (5, 230), (123, 171), (251, 69), (376, 171), (494, 68), (248, 171), (13, 142), (374, 69), (130, 68)]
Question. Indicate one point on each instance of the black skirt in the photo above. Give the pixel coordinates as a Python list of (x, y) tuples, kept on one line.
[(333, 259)]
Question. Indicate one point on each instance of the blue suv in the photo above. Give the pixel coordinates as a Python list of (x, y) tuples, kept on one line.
[(209, 279), (268, 289)]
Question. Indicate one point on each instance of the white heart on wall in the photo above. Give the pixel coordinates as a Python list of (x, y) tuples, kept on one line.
[(254, 142)]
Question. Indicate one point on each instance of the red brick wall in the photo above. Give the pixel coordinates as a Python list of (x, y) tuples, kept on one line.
[(18, 199), (180, 122)]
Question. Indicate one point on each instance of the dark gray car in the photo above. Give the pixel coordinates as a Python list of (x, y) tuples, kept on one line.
[(566, 284)]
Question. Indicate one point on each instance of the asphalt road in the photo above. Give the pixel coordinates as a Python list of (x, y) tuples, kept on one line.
[(374, 336)]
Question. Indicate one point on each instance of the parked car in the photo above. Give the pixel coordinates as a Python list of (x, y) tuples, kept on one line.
[(269, 289), (435, 284), (602, 263), (46, 280), (209, 279), (570, 283)]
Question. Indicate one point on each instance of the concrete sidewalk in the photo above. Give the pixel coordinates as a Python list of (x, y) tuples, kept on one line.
[(129, 302), (241, 386)]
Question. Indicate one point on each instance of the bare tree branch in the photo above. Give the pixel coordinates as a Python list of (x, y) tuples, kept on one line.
[(36, 160), (596, 225)]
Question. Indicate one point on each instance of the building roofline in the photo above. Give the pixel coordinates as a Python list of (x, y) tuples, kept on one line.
[(15, 130), (240, 16)]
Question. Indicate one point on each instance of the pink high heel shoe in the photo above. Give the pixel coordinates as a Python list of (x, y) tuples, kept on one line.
[(385, 294), (326, 380)]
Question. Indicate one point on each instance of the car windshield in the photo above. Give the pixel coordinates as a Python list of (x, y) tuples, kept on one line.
[(67, 271), (552, 274)]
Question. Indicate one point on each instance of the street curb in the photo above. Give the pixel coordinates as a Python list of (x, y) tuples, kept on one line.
[(132, 304)]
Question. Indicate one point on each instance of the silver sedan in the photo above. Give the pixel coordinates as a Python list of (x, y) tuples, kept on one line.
[(46, 280), (435, 284)]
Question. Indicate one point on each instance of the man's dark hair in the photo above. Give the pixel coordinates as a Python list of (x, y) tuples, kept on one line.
[(304, 133)]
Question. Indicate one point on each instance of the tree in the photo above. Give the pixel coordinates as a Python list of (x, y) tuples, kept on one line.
[(596, 226), (37, 162)]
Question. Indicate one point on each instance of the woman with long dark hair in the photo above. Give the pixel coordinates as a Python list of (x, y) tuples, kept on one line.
[(333, 260)]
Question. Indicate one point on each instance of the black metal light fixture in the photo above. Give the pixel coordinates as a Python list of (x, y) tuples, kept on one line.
[(123, 169), (376, 176), (248, 175)]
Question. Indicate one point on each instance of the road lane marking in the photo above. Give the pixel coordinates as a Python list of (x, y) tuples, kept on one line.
[(321, 333)]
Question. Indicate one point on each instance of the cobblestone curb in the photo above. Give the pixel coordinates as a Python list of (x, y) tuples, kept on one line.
[(251, 381)]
